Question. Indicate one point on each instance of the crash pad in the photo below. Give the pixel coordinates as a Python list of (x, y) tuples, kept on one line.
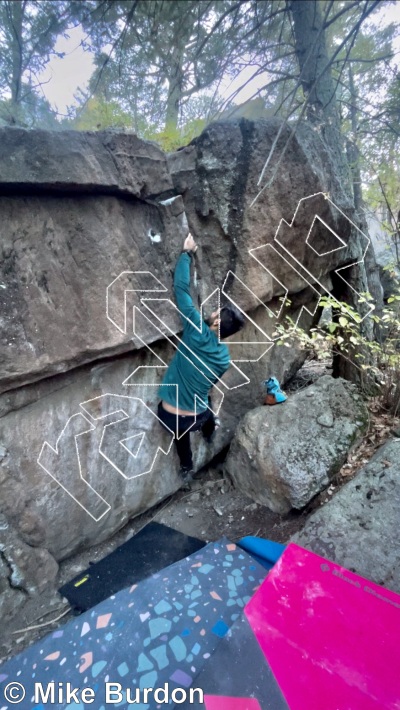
[(163, 629), (266, 552), (238, 676), (330, 636), (155, 547)]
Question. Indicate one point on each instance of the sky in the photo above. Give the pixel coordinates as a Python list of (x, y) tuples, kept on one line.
[(64, 76)]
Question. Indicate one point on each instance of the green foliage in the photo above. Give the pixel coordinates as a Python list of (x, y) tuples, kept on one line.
[(28, 33), (171, 139), (99, 114), (378, 362), (164, 63), (369, 100), (382, 172), (34, 111), (158, 56), (386, 191)]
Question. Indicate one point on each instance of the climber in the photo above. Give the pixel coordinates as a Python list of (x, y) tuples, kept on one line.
[(197, 364)]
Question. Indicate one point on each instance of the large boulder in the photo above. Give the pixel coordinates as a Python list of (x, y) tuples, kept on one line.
[(359, 527), (93, 223), (82, 161), (84, 211), (282, 456), (273, 239), (59, 255), (80, 416)]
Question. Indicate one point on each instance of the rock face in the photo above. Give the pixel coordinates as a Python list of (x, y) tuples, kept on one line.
[(88, 162), (386, 255), (359, 527), (218, 175), (73, 225), (92, 223), (282, 456)]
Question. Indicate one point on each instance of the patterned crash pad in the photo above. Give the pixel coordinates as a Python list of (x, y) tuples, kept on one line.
[(314, 635), (238, 676), (330, 637), (161, 630)]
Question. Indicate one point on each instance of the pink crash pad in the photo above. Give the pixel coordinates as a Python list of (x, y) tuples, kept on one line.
[(221, 702), (330, 637)]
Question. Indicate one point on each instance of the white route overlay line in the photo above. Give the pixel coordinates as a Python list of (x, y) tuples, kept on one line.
[(196, 400), (163, 365), (129, 438), (217, 291), (145, 301), (290, 330), (182, 315), (304, 269), (125, 417), (271, 338), (130, 290), (325, 253), (303, 308), (218, 379), (56, 451), (163, 288), (343, 244), (157, 384), (136, 309)]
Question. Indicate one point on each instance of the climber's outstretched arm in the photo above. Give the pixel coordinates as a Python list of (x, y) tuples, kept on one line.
[(183, 297)]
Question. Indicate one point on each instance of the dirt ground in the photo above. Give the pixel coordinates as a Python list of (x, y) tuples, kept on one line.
[(212, 509)]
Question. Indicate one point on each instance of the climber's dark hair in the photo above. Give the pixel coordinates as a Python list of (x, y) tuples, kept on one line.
[(231, 321)]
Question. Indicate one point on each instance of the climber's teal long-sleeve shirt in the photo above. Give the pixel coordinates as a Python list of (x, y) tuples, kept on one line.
[(200, 359)]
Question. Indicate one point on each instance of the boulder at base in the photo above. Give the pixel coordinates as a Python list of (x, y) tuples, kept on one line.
[(359, 527), (282, 456)]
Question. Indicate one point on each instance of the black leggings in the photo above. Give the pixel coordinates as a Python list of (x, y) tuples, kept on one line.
[(204, 421)]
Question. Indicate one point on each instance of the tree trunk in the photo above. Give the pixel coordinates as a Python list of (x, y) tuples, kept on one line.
[(371, 266), (175, 90), (319, 91), (316, 79), (352, 147), (16, 15)]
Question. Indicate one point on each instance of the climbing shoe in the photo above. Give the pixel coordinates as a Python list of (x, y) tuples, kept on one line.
[(274, 392)]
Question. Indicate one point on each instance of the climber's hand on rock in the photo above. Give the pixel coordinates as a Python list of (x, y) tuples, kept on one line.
[(189, 244)]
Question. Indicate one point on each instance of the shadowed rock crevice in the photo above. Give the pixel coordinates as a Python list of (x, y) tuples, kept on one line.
[(10, 573), (237, 196), (44, 190)]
